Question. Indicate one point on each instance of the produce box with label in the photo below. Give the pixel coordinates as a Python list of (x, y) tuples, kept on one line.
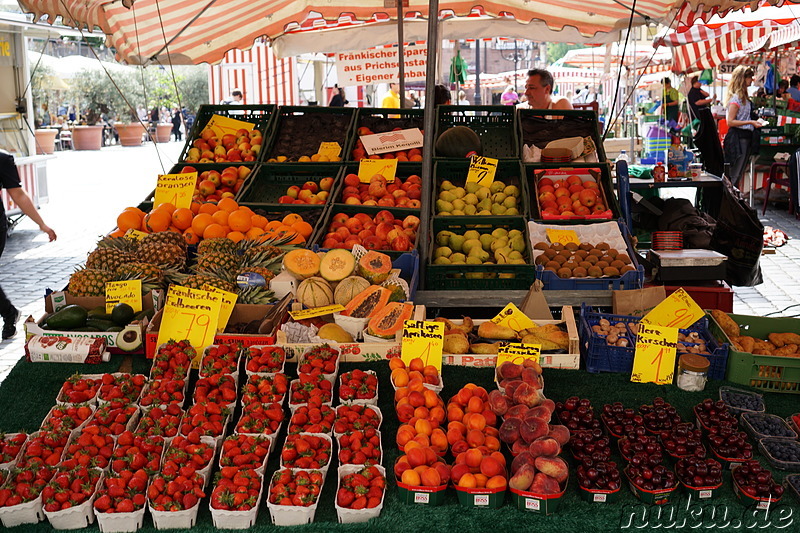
[(300, 131), (575, 194)]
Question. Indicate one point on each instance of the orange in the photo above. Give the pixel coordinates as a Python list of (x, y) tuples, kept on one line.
[(240, 221), (157, 220), (247, 209), (220, 217), (191, 236), (291, 218), (254, 233), (303, 228), (213, 231), (259, 221), (236, 236), (228, 204), (166, 206), (135, 210), (298, 239), (128, 220), (273, 224), (117, 233), (201, 222), (182, 218), (208, 207), (195, 207)]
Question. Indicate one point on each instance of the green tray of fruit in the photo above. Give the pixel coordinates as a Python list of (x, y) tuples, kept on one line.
[(384, 195), (299, 131), (505, 196), (380, 120), (489, 252), (284, 184)]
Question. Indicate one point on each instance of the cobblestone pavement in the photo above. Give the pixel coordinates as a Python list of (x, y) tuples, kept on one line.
[(89, 189)]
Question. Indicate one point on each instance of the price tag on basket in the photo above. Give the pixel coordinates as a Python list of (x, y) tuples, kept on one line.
[(654, 358), (222, 125), (134, 235), (562, 236), (678, 310), (516, 352), (316, 311), (190, 314), (176, 189), (227, 303), (424, 340), (481, 170), (330, 150), (370, 167), (125, 292), (392, 141), (513, 318)]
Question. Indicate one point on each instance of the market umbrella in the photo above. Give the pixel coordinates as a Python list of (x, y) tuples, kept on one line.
[(458, 69), (191, 32)]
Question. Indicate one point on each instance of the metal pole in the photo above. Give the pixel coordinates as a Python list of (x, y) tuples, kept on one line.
[(478, 100), (429, 121), (400, 55)]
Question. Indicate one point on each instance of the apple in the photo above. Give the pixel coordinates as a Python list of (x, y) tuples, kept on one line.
[(214, 177), (310, 186), (228, 179), (285, 200), (323, 195), (352, 200), (326, 184), (304, 195), (547, 197), (588, 197), (243, 172), (414, 203), (293, 191), (411, 222), (207, 187)]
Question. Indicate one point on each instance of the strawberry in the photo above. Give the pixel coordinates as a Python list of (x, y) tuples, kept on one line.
[(265, 359), (25, 484), (360, 447), (161, 420), (162, 392), (353, 417), (121, 389), (11, 445), (236, 489), (245, 451), (69, 487), (136, 452), (208, 417), (66, 417), (358, 385), (217, 388), (175, 492), (260, 418), (265, 389), (319, 360), (219, 359), (298, 488), (362, 489), (44, 448), (312, 389), (78, 389), (304, 450), (307, 419), (173, 360), (184, 456), (115, 419), (92, 448)]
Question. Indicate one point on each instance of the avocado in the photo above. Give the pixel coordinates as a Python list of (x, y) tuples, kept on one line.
[(130, 338), (122, 314), (99, 325), (114, 328), (99, 312), (70, 317), (85, 328), (145, 313)]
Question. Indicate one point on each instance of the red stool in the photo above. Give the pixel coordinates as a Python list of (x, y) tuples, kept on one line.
[(777, 168)]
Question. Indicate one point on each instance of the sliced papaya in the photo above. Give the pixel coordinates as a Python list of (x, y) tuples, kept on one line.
[(374, 266), (389, 320), (368, 302)]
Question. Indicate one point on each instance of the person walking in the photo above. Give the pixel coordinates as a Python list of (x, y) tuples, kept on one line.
[(392, 98), (671, 105), (177, 119), (739, 138), (9, 180)]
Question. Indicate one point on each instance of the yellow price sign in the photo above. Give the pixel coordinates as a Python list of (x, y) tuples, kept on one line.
[(678, 310), (654, 358), (316, 311), (226, 307), (134, 235), (367, 168), (124, 292), (516, 352), (222, 125), (329, 149), (424, 340), (481, 170), (513, 318), (190, 314), (562, 236), (176, 189)]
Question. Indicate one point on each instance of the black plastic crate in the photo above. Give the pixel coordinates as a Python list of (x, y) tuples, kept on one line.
[(299, 130), (404, 170), (494, 124), (380, 120), (455, 171), (271, 182), (535, 172), (541, 126), (314, 216), (483, 276), (351, 210), (260, 115)]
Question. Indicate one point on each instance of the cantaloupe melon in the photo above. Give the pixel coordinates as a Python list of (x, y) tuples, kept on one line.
[(349, 288), (301, 263), (314, 292), (337, 264)]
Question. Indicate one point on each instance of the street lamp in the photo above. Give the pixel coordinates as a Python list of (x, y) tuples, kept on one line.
[(517, 54)]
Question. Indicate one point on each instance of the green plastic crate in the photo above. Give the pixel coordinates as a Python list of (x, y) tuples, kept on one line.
[(260, 115), (352, 210), (494, 124), (455, 171), (314, 216), (461, 276), (541, 126), (380, 120), (404, 170), (271, 181), (604, 179), (763, 372), (299, 130)]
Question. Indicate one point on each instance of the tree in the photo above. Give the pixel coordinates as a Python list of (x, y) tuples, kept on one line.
[(556, 51)]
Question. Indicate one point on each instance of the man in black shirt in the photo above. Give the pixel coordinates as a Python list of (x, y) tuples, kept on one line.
[(706, 139), (9, 180)]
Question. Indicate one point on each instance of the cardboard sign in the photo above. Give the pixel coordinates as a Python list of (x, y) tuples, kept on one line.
[(513, 318), (126, 292), (424, 340), (176, 189), (134, 235), (369, 167), (654, 358), (222, 125), (562, 236), (329, 149), (190, 314), (392, 141), (316, 311), (678, 310), (226, 308), (481, 170), (516, 352)]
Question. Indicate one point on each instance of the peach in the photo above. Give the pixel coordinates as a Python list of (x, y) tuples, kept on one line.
[(509, 370), (518, 447), (523, 478), (560, 433), (431, 478), (491, 467), (530, 363), (509, 430), (555, 467), (517, 411), (533, 428), (473, 458), (544, 485), (545, 446), (498, 403), (457, 471), (475, 438), (524, 458), (511, 387), (539, 411), (444, 472), (550, 405), (527, 395), (531, 377)]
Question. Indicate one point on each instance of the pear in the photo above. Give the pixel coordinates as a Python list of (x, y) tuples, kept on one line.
[(480, 253), (469, 244), (456, 242), (500, 233), (443, 237), (443, 207), (447, 196), (442, 251), (485, 213), (473, 260), (511, 190), (486, 203), (501, 256), (458, 258), (514, 233), (459, 192), (490, 330), (483, 193), (334, 332), (472, 234), (471, 199), (510, 202), (515, 255), (470, 210), (474, 275), (456, 213), (519, 261), (499, 243), (456, 343), (498, 198), (497, 186), (512, 211), (441, 261), (486, 241), (446, 186), (472, 187), (458, 204), (517, 243), (484, 348), (498, 209)]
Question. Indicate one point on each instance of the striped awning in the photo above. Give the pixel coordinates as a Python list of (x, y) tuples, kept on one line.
[(640, 59), (197, 31)]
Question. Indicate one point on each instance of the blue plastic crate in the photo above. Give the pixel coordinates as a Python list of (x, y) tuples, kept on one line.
[(596, 354)]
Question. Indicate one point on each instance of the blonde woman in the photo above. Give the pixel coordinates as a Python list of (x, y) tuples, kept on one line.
[(740, 126)]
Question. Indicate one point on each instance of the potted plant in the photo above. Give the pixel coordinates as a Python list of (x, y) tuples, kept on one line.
[(45, 140), (90, 135), (163, 132), (130, 134)]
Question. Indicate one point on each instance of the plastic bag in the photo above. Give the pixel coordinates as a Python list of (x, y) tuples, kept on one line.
[(740, 236)]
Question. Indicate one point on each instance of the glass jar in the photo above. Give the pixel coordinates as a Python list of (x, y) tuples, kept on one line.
[(659, 173), (692, 372)]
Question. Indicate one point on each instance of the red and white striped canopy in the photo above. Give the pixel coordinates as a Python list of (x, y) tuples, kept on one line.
[(197, 31), (705, 45)]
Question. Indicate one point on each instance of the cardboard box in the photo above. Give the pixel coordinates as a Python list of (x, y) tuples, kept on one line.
[(241, 313)]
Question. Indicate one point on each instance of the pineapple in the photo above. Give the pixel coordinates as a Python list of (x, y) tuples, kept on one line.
[(255, 295), (263, 256), (162, 255), (152, 276), (108, 259), (196, 281), (218, 260), (220, 244), (89, 282), (165, 237), (118, 243)]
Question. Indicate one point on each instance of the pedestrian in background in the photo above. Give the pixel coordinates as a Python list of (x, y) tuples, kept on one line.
[(338, 99), (739, 138), (177, 119), (509, 96), (392, 97), (441, 95)]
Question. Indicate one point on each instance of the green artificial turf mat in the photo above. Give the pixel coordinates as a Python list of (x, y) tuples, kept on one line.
[(30, 390)]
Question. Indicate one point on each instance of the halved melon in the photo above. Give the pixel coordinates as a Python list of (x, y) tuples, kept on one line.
[(301, 263), (389, 320), (368, 302), (337, 264), (375, 266)]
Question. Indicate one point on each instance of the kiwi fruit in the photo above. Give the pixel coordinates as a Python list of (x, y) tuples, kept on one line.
[(610, 271), (550, 253), (607, 259), (585, 264), (602, 246), (582, 253), (625, 269), (571, 246), (624, 258), (540, 260), (564, 272), (566, 253), (612, 252), (557, 246), (616, 263), (541, 246), (602, 265), (579, 272), (595, 271), (560, 259), (585, 246), (596, 252), (592, 259), (552, 265)]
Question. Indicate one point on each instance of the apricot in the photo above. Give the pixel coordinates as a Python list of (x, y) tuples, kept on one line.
[(416, 457), (475, 405), (430, 455), (416, 374), (491, 467), (405, 434), (457, 471), (489, 431), (496, 483), (491, 418), (476, 421), (554, 467), (453, 436), (481, 480), (468, 481), (444, 472), (416, 364), (400, 393), (475, 438), (416, 398), (493, 443), (430, 370), (473, 458), (463, 396), (431, 398), (437, 414), (412, 444), (404, 412), (459, 426), (395, 363), (399, 377), (411, 477), (499, 457), (459, 446), (422, 439), (421, 412), (431, 478), (481, 393), (439, 440), (454, 413), (423, 426), (400, 467), (416, 384)]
